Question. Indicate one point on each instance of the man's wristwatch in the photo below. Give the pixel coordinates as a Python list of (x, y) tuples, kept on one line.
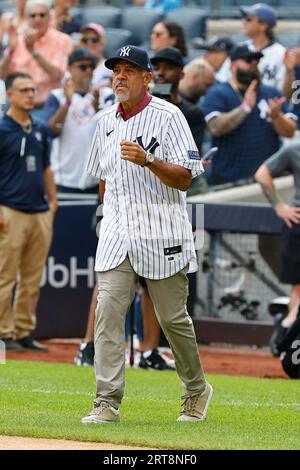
[(149, 159)]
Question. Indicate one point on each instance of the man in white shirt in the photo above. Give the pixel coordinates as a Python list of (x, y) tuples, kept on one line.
[(259, 21), (70, 112), (144, 155)]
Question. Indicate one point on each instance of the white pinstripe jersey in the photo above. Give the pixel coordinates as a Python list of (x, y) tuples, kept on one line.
[(142, 217)]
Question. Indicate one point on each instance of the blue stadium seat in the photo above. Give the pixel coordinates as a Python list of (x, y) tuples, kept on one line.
[(288, 9), (108, 17), (193, 21), (289, 39), (272, 3), (238, 37), (140, 22), (7, 6), (224, 9), (231, 8), (115, 38)]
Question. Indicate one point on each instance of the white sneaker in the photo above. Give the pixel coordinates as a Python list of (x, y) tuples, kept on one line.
[(102, 412), (194, 407)]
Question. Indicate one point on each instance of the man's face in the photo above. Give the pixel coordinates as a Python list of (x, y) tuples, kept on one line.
[(253, 25), (246, 65), (129, 81), (39, 18), (245, 70), (21, 94), (165, 71), (82, 72), (92, 41)]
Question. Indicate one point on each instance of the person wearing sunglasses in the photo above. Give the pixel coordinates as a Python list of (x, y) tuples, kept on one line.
[(246, 119), (93, 38), (70, 112), (258, 23), (41, 51)]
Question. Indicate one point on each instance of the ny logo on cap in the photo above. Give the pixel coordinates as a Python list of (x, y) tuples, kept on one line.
[(125, 51)]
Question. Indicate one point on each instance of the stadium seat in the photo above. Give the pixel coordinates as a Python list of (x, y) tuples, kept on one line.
[(193, 21), (289, 39), (288, 9), (140, 22), (116, 38), (76, 11), (224, 9), (108, 17), (272, 3), (238, 37), (7, 6)]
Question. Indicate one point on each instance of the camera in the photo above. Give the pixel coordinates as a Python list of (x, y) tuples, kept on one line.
[(162, 90)]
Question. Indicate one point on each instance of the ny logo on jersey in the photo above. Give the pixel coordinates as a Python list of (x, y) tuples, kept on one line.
[(150, 147), (125, 51), (264, 110), (269, 73)]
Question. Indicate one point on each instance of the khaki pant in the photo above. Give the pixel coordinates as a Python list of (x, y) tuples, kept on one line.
[(24, 244), (116, 292)]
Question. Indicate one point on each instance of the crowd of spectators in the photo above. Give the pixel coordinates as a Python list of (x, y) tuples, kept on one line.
[(39, 38), (243, 92)]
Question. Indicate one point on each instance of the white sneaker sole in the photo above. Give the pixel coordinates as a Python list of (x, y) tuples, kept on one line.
[(96, 420), (185, 418)]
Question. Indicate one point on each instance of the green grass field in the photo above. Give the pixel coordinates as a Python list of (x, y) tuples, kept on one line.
[(48, 400)]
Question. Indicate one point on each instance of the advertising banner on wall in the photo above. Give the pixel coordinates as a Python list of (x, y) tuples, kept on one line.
[(69, 277)]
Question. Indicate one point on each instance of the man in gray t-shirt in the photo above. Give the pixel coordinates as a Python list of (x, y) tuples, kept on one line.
[(287, 159)]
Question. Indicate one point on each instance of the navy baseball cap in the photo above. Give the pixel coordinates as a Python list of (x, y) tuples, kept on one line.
[(218, 44), (81, 54), (170, 54), (133, 54), (243, 52), (263, 11)]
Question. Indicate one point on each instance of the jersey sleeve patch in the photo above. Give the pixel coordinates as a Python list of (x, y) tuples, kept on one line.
[(194, 155)]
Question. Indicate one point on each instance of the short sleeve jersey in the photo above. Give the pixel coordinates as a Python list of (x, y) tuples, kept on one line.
[(142, 217), (252, 142)]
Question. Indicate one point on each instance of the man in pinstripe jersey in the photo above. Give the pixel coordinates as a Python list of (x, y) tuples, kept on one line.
[(145, 157)]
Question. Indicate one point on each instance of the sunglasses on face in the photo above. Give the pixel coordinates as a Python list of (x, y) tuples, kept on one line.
[(85, 67), (94, 40), (38, 15)]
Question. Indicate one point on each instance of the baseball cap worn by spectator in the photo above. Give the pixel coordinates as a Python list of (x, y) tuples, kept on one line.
[(170, 54), (81, 54), (218, 44), (97, 28), (243, 52), (133, 54), (262, 11)]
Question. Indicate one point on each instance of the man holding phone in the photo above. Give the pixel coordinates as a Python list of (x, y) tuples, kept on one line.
[(246, 119)]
